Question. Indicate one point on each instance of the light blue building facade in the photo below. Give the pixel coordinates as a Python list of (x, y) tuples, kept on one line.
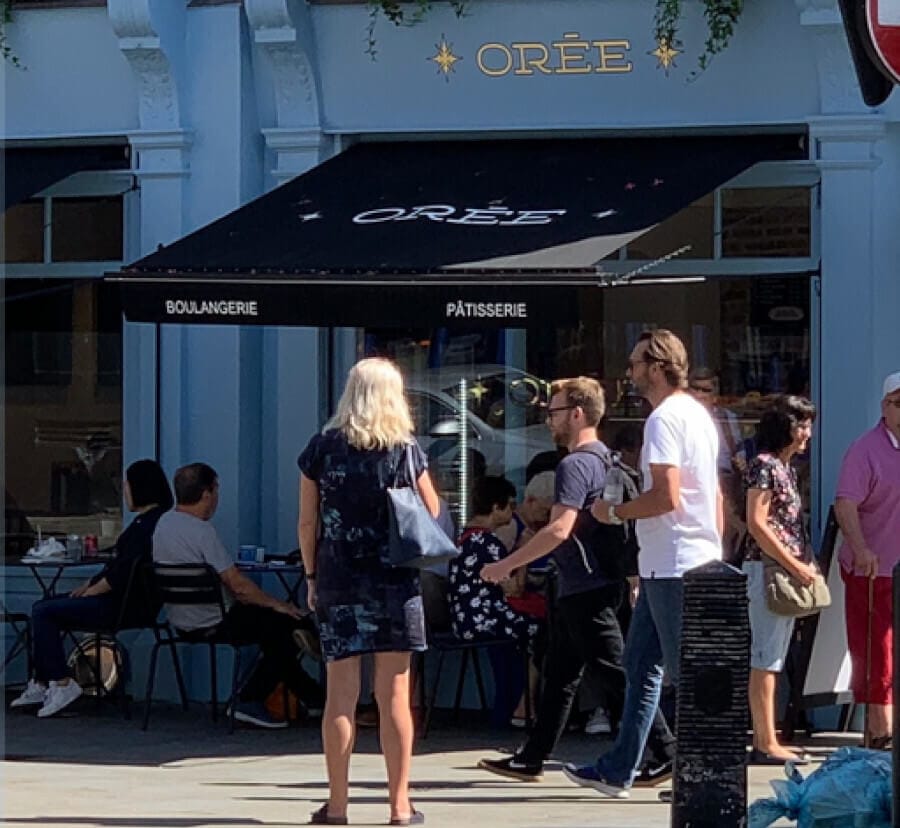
[(220, 102)]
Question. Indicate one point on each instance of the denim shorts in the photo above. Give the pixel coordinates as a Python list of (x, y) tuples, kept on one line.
[(770, 634)]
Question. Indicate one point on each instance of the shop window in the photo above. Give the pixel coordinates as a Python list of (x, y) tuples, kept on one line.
[(86, 229), (766, 222), (752, 333), (23, 233), (63, 409), (691, 226), (38, 332)]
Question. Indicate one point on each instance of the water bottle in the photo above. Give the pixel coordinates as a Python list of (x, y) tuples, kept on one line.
[(74, 547), (614, 487)]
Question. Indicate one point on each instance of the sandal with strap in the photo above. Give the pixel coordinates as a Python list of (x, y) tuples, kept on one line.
[(321, 817), (415, 818), (881, 742)]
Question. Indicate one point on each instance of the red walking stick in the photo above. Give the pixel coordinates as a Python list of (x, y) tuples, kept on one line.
[(867, 736)]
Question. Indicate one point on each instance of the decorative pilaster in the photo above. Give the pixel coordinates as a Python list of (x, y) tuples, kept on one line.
[(151, 37), (846, 150), (282, 30)]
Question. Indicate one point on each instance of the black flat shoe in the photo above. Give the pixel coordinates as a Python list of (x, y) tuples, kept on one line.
[(321, 817), (758, 757), (415, 818)]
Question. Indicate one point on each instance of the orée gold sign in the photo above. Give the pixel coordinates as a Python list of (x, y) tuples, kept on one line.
[(573, 54)]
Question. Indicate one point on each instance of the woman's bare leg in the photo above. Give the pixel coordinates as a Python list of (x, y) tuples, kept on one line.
[(762, 711), (339, 730), (395, 717), (881, 719)]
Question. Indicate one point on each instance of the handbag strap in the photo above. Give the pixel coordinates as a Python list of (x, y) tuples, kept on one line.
[(410, 469)]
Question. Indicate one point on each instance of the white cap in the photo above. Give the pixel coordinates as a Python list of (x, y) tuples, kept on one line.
[(891, 384)]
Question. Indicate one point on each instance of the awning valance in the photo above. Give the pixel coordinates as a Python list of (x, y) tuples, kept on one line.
[(28, 170), (444, 212)]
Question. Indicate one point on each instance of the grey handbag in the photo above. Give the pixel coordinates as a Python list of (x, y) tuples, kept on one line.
[(415, 539), (786, 595)]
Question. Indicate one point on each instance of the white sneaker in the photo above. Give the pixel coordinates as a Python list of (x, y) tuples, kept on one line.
[(598, 723), (34, 693), (58, 697)]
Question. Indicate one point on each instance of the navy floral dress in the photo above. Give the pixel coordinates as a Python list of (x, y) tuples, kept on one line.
[(364, 605), (479, 610), (767, 472)]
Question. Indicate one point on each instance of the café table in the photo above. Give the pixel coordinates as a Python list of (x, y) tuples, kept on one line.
[(289, 575), (48, 571)]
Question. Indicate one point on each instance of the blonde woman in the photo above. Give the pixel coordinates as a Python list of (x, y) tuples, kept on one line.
[(363, 604)]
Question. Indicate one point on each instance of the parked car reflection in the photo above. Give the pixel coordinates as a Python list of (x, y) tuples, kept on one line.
[(504, 420)]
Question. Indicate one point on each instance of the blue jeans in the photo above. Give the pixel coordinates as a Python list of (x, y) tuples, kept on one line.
[(50, 617), (654, 639)]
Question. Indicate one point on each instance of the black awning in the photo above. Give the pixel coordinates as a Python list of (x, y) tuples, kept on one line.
[(454, 212), (28, 170)]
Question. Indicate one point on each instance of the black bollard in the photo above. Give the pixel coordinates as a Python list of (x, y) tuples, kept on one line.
[(710, 784), (895, 725)]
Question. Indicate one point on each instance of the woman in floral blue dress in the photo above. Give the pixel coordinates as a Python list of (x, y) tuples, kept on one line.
[(774, 530), (479, 610), (362, 603)]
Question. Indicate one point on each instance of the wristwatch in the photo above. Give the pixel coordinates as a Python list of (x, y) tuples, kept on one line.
[(611, 515)]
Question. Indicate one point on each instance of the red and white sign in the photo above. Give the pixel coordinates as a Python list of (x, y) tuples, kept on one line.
[(883, 18)]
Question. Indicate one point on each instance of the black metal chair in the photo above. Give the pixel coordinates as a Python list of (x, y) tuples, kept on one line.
[(442, 640), (96, 654), (193, 585), (21, 638)]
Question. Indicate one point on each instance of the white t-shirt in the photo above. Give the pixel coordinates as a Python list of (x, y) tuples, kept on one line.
[(681, 433)]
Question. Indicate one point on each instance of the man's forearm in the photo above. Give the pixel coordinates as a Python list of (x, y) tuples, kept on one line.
[(543, 543), (847, 514), (652, 503), (250, 593)]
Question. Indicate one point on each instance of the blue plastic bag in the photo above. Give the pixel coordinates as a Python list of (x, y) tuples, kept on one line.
[(852, 789)]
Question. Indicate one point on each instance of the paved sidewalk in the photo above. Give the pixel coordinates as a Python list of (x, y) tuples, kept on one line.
[(96, 769)]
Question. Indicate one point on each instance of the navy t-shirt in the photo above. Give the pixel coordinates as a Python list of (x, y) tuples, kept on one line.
[(580, 477)]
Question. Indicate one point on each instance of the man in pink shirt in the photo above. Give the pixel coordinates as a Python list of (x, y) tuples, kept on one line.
[(867, 506)]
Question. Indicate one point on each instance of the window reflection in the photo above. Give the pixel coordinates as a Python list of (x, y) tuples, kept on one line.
[(752, 333), (771, 221), (63, 409)]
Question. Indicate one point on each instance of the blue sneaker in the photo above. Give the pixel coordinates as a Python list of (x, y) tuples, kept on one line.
[(255, 713), (589, 777)]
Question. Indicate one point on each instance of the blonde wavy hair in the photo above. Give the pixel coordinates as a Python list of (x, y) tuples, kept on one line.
[(373, 412)]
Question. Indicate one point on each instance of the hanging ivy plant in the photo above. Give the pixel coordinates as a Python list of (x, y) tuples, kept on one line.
[(402, 14), (721, 17), (5, 19)]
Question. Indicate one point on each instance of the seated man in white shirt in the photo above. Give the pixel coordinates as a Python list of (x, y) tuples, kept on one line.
[(185, 536)]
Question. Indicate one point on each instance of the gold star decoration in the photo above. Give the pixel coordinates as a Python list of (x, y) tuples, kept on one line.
[(445, 59), (665, 54)]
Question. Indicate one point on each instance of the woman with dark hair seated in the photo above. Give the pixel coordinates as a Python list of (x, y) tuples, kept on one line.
[(97, 604), (776, 531), (479, 610)]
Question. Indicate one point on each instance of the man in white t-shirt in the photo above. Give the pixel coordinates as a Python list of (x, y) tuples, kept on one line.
[(679, 526)]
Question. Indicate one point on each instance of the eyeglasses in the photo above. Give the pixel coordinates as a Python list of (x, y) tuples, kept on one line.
[(645, 361), (703, 389), (552, 411)]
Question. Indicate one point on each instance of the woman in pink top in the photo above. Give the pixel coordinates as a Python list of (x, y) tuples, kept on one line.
[(867, 507)]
